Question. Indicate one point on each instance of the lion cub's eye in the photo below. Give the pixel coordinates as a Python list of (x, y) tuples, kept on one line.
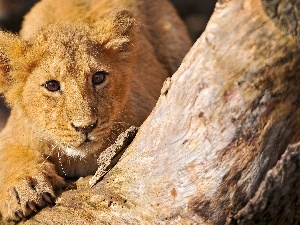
[(99, 77), (52, 85)]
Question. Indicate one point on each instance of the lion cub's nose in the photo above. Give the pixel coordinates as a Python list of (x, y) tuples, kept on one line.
[(85, 129)]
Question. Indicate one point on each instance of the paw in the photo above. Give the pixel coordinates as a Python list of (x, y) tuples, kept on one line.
[(28, 195)]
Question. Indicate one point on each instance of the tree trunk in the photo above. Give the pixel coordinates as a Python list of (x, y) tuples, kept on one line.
[(215, 148)]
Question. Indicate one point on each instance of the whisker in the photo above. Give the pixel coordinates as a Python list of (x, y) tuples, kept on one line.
[(61, 165)]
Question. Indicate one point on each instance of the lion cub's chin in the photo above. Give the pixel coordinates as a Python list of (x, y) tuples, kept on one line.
[(82, 151), (75, 152)]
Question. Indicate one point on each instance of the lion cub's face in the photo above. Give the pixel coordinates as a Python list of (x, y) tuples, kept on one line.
[(74, 86)]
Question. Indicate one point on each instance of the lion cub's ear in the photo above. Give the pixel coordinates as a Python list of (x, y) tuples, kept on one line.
[(11, 52), (117, 31)]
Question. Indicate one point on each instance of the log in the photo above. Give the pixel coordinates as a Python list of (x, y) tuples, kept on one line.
[(277, 198), (219, 147)]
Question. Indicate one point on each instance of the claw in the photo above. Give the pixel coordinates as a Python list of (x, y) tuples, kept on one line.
[(48, 198), (33, 206), (19, 214)]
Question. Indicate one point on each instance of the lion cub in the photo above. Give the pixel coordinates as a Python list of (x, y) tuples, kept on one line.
[(79, 73)]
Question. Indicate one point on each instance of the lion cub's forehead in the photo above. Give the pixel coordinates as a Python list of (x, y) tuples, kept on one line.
[(55, 67), (72, 52)]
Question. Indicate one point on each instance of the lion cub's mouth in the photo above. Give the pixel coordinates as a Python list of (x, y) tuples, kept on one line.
[(88, 139), (82, 148)]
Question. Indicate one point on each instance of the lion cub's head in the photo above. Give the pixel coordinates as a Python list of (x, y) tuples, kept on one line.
[(70, 80)]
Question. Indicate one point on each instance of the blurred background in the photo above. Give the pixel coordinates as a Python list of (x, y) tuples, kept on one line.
[(195, 14)]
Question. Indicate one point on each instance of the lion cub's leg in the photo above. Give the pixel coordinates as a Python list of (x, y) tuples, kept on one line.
[(27, 184)]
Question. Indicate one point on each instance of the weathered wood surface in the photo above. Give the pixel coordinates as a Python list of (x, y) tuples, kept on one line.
[(222, 122), (277, 199)]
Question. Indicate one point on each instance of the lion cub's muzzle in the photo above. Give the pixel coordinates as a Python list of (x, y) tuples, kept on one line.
[(85, 129)]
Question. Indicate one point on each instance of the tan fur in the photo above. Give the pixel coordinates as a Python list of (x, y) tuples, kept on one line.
[(139, 43)]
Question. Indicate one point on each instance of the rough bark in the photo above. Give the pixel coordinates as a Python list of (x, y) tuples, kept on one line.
[(210, 151), (277, 198)]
